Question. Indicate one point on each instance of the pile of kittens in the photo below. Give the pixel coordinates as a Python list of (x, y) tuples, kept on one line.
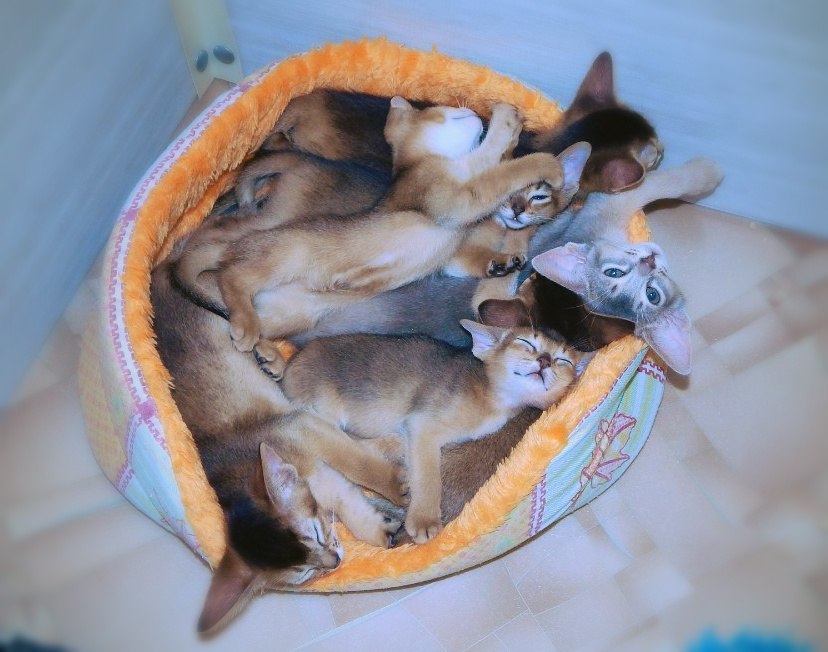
[(391, 242)]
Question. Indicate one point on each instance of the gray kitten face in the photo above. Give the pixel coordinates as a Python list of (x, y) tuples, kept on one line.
[(629, 281)]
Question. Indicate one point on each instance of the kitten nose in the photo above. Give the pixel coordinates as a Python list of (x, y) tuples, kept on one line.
[(544, 360), (649, 261)]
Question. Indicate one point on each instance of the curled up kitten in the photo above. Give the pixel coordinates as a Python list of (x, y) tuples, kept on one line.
[(427, 394)]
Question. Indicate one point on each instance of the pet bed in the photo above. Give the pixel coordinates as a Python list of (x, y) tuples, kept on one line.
[(568, 457)]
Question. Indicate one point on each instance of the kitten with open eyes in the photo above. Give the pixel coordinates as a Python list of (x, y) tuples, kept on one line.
[(428, 394), (443, 184), (589, 254)]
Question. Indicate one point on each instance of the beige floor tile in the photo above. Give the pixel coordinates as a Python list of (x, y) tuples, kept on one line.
[(26, 518), (481, 600), (758, 593), (716, 258), (675, 425), (77, 548), (621, 525), (150, 599), (754, 343), (526, 557), (44, 445), (350, 606), (735, 315), (650, 637), (571, 566), (489, 644), (523, 634), (590, 621), (652, 583), (796, 527), (675, 513), (734, 498), (767, 426), (393, 629)]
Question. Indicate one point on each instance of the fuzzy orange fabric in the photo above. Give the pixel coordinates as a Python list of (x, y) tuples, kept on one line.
[(185, 195)]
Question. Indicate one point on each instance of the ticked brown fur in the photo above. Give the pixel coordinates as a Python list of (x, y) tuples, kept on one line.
[(428, 394), (320, 264)]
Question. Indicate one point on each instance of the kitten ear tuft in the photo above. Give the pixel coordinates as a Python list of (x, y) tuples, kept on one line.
[(619, 174), (484, 338), (572, 160), (280, 478), (231, 588), (669, 336), (598, 85), (564, 265), (505, 313)]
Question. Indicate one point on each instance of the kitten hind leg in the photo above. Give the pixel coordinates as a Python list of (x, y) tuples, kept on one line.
[(422, 521)]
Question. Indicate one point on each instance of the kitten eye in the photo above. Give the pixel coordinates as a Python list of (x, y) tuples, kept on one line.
[(540, 198), (564, 361), (614, 272), (653, 296), (528, 344)]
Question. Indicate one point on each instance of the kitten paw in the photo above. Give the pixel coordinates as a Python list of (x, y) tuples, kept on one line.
[(421, 529), (506, 124), (505, 266), (244, 336), (269, 359)]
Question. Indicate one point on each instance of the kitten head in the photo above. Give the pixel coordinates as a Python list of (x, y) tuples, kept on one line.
[(529, 368), (276, 538), (540, 202), (627, 281), (436, 130), (624, 144)]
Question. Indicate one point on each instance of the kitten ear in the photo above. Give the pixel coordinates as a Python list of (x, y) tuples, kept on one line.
[(230, 590), (572, 160), (617, 174), (669, 336), (398, 102), (564, 265), (504, 313), (280, 478), (484, 338), (598, 86)]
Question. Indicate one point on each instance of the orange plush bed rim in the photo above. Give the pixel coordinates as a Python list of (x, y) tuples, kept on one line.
[(569, 456)]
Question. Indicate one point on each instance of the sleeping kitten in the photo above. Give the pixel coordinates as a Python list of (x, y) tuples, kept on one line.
[(277, 536), (444, 183), (428, 394), (340, 125)]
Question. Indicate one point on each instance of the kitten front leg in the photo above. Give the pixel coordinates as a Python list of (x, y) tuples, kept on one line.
[(501, 138), (333, 491), (481, 262), (245, 328), (360, 463), (484, 193), (422, 522)]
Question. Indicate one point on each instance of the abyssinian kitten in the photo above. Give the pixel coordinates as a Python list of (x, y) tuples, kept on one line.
[(263, 459), (428, 394), (340, 125), (444, 182), (588, 253)]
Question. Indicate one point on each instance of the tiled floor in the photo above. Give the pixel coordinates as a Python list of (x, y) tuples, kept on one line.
[(721, 524)]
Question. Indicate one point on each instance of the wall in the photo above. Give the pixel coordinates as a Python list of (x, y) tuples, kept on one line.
[(744, 81), (91, 92)]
